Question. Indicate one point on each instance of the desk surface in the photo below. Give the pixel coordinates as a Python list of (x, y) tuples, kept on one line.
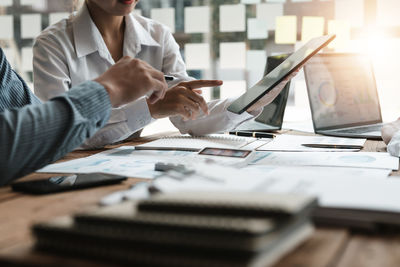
[(328, 246)]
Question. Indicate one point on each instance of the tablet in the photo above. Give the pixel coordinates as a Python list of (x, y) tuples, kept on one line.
[(273, 78)]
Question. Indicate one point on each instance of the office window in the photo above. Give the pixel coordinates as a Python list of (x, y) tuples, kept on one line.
[(230, 39)]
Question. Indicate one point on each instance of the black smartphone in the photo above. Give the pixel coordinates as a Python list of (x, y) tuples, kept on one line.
[(66, 183), (225, 152)]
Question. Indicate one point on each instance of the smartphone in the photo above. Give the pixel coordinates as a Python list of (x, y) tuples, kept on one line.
[(66, 183), (223, 152), (226, 156)]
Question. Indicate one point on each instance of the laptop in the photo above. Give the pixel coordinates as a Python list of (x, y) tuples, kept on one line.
[(271, 119), (343, 95)]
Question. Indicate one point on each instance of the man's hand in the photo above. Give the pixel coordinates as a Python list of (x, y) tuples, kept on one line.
[(184, 100), (130, 79), (389, 130), (270, 96)]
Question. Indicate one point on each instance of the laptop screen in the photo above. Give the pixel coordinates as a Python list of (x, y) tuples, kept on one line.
[(342, 91)]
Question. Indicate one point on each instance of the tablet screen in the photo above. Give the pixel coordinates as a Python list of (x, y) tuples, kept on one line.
[(273, 78)]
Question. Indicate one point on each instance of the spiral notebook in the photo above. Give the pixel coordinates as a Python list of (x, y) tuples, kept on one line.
[(190, 143)]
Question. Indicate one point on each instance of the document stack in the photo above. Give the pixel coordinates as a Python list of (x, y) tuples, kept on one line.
[(185, 229)]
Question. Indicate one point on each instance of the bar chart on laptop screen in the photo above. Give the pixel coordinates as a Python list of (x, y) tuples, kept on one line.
[(231, 39)]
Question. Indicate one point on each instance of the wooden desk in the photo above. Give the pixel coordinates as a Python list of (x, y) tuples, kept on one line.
[(328, 246)]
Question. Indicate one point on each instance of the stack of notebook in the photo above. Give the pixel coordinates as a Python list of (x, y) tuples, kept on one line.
[(185, 229)]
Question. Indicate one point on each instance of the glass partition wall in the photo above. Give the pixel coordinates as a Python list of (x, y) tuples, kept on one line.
[(231, 39)]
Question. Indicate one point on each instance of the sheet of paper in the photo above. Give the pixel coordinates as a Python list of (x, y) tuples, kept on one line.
[(123, 161), (338, 187), (27, 57), (269, 12), (388, 13), (165, 16), (286, 142), (350, 10), (197, 56), (7, 27), (342, 30), (232, 55), (6, 2), (286, 30), (232, 18), (232, 89), (31, 25), (257, 29), (56, 17), (312, 27), (328, 159), (197, 19)]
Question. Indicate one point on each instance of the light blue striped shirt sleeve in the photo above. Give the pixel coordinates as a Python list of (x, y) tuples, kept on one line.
[(34, 134)]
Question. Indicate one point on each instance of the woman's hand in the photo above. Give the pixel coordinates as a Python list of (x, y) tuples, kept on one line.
[(269, 97), (183, 100), (389, 130)]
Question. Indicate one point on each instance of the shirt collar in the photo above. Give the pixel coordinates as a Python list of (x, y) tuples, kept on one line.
[(87, 37), (136, 36)]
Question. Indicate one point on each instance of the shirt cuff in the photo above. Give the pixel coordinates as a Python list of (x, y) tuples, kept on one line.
[(137, 114), (394, 145), (91, 100)]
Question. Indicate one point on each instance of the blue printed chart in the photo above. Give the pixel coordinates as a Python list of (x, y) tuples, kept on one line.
[(125, 161)]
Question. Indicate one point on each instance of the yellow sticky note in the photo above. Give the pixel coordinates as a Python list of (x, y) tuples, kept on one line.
[(286, 30), (312, 27), (343, 34)]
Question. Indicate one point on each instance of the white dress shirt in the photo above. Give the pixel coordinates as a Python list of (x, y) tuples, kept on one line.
[(73, 51)]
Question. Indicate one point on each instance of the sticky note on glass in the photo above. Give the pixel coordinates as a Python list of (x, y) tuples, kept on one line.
[(269, 12), (137, 12), (232, 18), (257, 29), (388, 13), (56, 17), (31, 25), (255, 65), (10, 55), (27, 56), (6, 3), (165, 16), (351, 10), (232, 55), (232, 89), (197, 56), (197, 19), (343, 34), (7, 27), (286, 30), (39, 4), (312, 27)]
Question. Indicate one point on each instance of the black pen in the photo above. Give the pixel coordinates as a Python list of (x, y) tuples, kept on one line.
[(333, 146), (169, 78), (253, 134)]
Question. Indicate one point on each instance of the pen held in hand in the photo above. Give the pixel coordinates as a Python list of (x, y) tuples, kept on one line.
[(169, 78), (332, 146)]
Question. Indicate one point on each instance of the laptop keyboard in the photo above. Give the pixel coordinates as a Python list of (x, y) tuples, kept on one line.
[(366, 129)]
